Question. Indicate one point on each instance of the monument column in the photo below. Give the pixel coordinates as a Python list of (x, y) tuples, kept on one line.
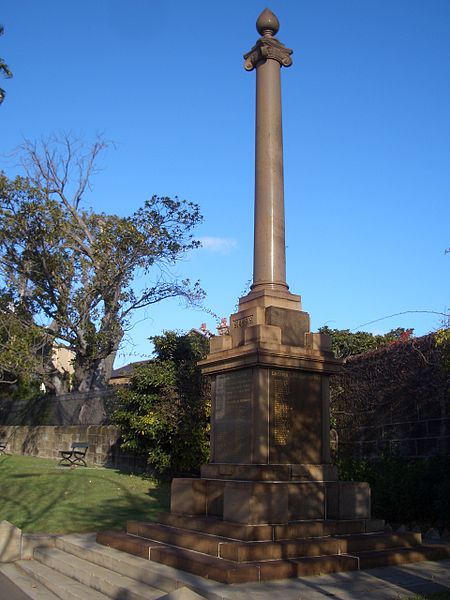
[(270, 374), (269, 504), (267, 57)]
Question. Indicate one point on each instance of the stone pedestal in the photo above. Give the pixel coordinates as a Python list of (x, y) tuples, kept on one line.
[(270, 447), (270, 426)]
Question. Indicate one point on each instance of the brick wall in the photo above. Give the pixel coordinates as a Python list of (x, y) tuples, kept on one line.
[(394, 399)]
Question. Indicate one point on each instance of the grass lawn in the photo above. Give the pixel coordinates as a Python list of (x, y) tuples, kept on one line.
[(40, 497)]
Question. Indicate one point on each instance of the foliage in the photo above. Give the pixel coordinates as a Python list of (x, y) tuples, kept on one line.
[(4, 70), (164, 411), (40, 497), (442, 340), (74, 268), (404, 490), (390, 386), (23, 345), (346, 343)]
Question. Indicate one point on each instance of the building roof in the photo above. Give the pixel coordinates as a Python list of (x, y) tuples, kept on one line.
[(127, 370)]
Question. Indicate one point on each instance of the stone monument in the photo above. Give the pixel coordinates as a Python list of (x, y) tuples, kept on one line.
[(269, 504), (270, 444)]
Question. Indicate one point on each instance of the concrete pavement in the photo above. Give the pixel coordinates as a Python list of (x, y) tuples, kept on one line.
[(385, 583), (8, 591)]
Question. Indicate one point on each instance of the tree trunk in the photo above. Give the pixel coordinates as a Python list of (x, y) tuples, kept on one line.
[(93, 376)]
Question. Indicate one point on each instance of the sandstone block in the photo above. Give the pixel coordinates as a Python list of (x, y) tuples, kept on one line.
[(188, 496), (348, 500), (10, 542)]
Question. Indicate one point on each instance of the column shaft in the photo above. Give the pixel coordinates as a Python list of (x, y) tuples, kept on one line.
[(269, 237)]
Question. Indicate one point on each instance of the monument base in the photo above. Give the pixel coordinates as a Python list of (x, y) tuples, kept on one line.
[(261, 494), (231, 552)]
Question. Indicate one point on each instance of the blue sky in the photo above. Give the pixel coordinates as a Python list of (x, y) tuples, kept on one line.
[(366, 111)]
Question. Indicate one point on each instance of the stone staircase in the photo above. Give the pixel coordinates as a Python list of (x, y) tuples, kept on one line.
[(77, 568), (233, 553)]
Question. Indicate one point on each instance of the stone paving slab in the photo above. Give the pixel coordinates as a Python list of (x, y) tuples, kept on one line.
[(15, 584), (384, 583)]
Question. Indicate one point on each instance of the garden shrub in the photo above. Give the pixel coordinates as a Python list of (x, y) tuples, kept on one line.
[(164, 411), (404, 490)]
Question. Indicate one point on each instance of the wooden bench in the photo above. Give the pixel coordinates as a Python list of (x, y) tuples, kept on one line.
[(74, 456), (2, 447)]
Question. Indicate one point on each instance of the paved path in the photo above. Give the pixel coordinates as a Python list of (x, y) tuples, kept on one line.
[(8, 591), (387, 583)]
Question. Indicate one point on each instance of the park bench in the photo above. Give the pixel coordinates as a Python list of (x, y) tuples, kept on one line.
[(74, 456), (2, 447)]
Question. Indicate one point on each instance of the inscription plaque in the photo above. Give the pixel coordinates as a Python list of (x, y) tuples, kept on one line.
[(243, 322), (233, 416), (282, 408), (295, 416)]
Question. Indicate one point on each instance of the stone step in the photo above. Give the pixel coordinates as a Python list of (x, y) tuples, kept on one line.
[(118, 557), (126, 542), (58, 585), (206, 566), (233, 551), (138, 546), (245, 551), (29, 586), (226, 571), (293, 530), (240, 561), (304, 529), (286, 549), (251, 551), (399, 556), (214, 526), (378, 542), (119, 560), (175, 536), (97, 578), (307, 566)]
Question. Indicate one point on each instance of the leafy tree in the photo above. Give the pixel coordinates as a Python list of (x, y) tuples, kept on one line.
[(23, 345), (75, 269), (346, 343), (4, 70), (164, 411)]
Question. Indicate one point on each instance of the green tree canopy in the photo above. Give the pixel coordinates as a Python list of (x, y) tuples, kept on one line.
[(347, 343), (23, 345), (75, 269)]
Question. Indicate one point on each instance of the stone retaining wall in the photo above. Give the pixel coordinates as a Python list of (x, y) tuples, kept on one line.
[(46, 441), (91, 408)]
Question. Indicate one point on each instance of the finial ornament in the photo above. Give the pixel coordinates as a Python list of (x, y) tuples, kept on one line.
[(267, 23), (267, 47)]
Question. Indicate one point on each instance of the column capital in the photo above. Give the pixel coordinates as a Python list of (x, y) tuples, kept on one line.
[(267, 48)]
